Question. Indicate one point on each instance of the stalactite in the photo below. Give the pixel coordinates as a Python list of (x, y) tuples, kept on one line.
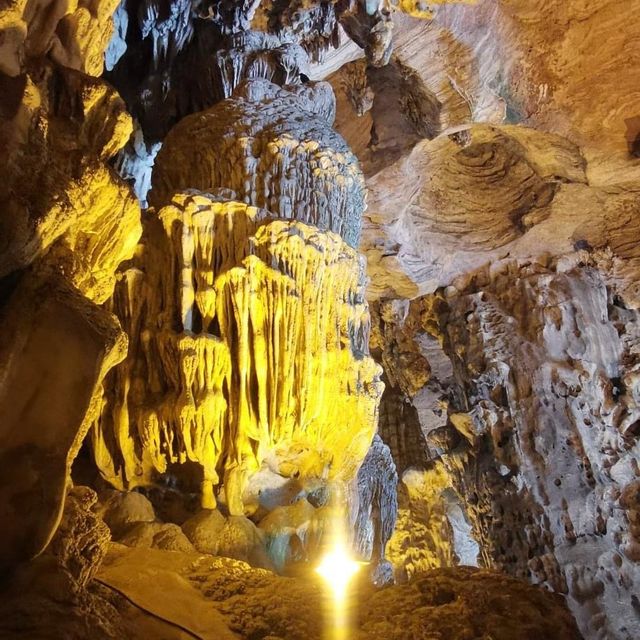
[(242, 324)]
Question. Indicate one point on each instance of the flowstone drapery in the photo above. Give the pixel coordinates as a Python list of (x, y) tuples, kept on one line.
[(249, 345)]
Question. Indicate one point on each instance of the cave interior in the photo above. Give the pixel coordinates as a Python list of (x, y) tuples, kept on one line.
[(320, 319)]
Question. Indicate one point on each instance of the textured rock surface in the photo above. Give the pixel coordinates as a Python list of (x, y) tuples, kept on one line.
[(175, 58), (375, 519), (121, 510), (423, 538), (237, 313), (539, 204), (157, 535), (293, 532), (80, 543), (66, 222), (203, 530), (512, 413), (563, 67), (547, 365), (72, 34), (60, 200), (456, 603), (155, 74), (56, 595), (511, 403), (274, 149), (579, 76)]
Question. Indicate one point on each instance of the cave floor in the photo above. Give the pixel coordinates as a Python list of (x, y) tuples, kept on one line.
[(142, 593)]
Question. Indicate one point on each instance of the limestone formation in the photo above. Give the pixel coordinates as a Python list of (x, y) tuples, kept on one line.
[(540, 204), (165, 90), (232, 365), (74, 35), (275, 149), (56, 347), (497, 213), (259, 359), (203, 530), (555, 407), (81, 541), (157, 535), (564, 67), (375, 519), (121, 511), (66, 222), (61, 202)]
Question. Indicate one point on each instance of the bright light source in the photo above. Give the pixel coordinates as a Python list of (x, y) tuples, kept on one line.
[(337, 568)]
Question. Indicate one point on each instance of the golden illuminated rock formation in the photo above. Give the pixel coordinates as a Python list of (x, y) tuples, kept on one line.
[(66, 222), (421, 9), (74, 34), (61, 201), (239, 327)]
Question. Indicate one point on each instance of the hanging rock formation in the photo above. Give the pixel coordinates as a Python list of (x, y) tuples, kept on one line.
[(62, 201), (238, 325), (73, 35)]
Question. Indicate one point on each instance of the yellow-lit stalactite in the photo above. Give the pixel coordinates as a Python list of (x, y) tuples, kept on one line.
[(249, 345)]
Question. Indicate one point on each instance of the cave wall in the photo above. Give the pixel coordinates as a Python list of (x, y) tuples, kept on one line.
[(501, 242), (66, 222)]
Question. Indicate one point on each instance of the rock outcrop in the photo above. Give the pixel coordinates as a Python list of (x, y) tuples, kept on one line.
[(62, 204), (73, 35), (509, 398), (66, 222), (375, 518), (540, 203), (56, 347), (547, 416)]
